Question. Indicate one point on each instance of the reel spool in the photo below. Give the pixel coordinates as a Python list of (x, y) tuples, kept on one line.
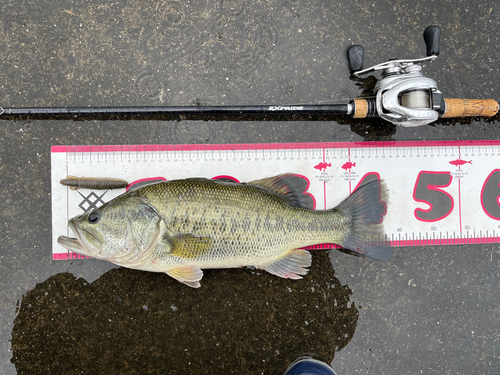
[(415, 99)]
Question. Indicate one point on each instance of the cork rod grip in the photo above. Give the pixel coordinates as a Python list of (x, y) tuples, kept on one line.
[(470, 107), (365, 108), (360, 108)]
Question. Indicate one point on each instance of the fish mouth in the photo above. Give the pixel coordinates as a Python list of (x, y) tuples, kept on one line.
[(79, 245)]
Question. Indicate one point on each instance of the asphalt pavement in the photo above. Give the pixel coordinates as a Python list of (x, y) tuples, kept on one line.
[(426, 310)]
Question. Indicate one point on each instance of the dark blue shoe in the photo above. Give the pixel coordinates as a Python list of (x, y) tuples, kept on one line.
[(309, 366)]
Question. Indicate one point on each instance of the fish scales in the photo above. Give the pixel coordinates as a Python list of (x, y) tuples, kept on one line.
[(180, 227), (245, 225)]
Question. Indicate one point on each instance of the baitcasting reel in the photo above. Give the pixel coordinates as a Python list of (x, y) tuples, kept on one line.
[(404, 96)]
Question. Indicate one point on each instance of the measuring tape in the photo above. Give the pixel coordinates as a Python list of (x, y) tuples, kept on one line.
[(440, 192)]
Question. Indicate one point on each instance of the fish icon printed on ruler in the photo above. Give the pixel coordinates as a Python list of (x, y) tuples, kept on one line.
[(348, 174), (347, 166), (323, 176), (459, 162), (322, 166), (459, 173)]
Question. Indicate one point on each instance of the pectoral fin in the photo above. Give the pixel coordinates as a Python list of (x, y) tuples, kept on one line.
[(289, 266), (188, 245), (189, 275)]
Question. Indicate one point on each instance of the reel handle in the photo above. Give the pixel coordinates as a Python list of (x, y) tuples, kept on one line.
[(469, 107), (431, 38), (355, 55)]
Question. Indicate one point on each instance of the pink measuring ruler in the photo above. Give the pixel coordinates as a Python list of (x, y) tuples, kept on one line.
[(440, 192)]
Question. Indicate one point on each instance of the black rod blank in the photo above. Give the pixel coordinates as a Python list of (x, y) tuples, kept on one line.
[(340, 109)]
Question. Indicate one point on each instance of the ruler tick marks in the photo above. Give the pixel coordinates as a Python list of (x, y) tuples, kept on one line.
[(259, 160)]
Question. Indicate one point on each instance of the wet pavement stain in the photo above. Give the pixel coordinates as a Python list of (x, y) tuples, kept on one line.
[(240, 321)]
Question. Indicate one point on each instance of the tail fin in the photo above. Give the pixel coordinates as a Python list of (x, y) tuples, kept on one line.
[(365, 209)]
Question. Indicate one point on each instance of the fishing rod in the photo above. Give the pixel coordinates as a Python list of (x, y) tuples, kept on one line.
[(404, 96)]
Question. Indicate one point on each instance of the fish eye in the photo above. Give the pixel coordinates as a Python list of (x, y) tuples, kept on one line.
[(94, 217)]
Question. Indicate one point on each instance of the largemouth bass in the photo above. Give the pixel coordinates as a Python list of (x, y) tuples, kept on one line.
[(183, 226)]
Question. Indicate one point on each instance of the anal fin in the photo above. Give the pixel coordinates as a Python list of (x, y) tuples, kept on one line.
[(189, 275), (290, 266)]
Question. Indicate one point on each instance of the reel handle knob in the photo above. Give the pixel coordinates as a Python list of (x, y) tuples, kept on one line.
[(431, 38), (355, 56)]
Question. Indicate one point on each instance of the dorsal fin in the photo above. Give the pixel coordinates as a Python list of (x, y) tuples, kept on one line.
[(291, 187)]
